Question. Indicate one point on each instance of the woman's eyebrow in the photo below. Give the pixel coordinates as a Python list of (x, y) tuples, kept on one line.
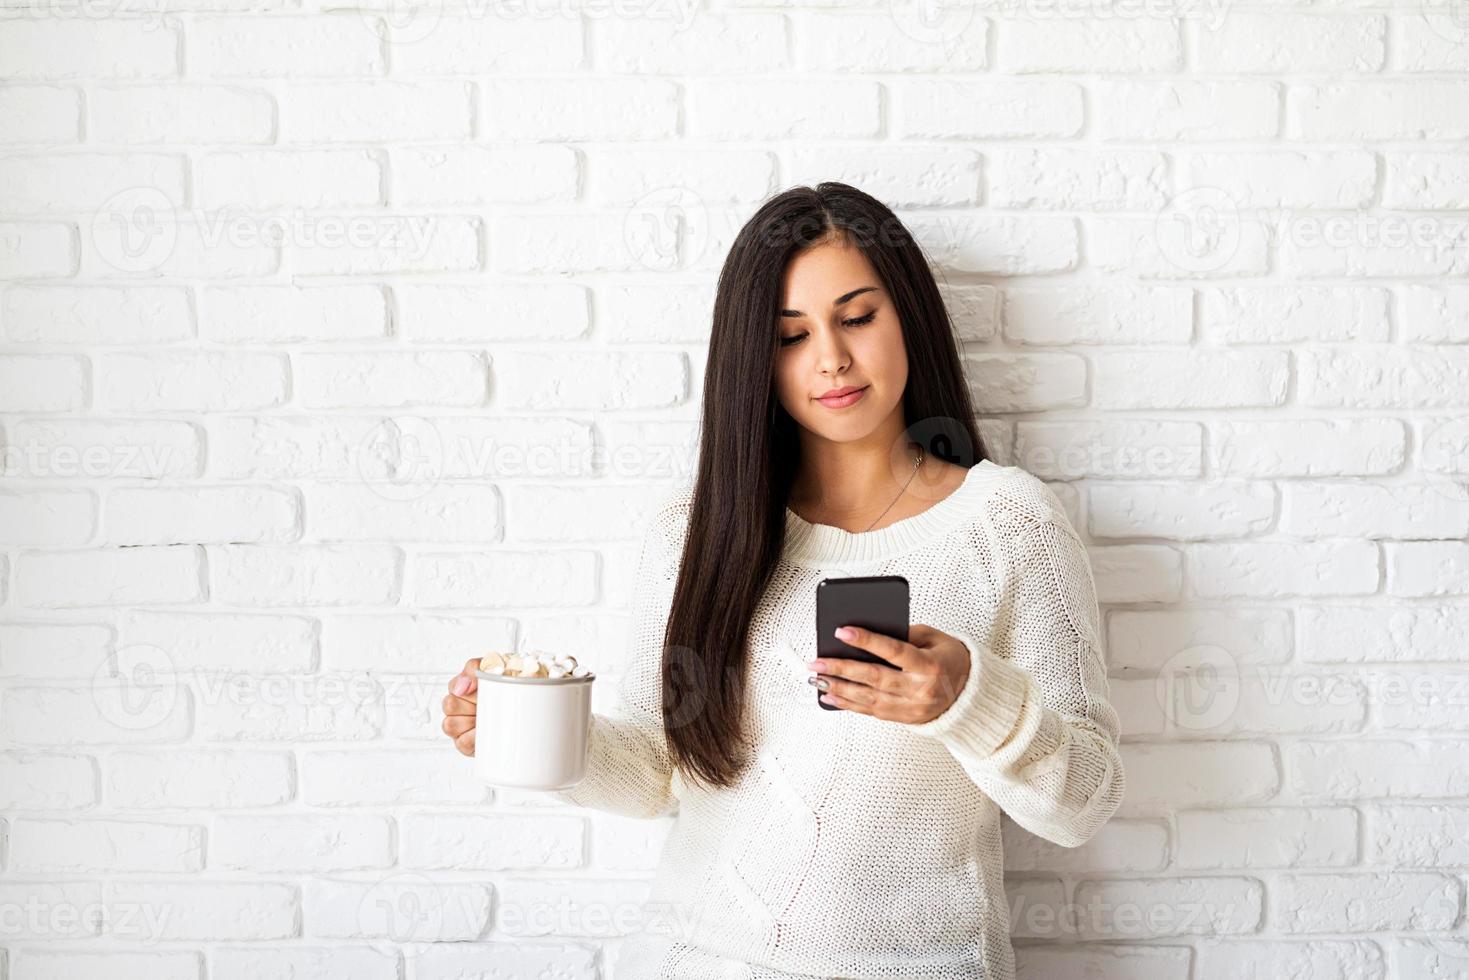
[(836, 302)]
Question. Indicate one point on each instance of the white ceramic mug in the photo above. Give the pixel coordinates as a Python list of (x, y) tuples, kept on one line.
[(531, 732)]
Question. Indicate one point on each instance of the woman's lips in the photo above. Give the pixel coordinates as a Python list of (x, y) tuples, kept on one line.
[(842, 401)]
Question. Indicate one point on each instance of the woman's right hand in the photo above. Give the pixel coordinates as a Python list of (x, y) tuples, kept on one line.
[(459, 707)]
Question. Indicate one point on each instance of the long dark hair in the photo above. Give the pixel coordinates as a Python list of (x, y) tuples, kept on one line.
[(749, 451)]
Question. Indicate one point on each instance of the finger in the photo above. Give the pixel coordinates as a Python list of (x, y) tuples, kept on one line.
[(894, 651), (466, 682), (876, 676), (837, 701), (853, 692), (459, 706), (456, 725), (465, 743)]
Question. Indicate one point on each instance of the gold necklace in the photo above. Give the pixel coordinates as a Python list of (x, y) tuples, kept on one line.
[(889, 507)]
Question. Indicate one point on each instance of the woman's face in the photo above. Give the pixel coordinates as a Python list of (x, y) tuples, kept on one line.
[(839, 329)]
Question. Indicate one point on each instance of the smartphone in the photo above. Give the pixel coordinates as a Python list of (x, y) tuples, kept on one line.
[(876, 602)]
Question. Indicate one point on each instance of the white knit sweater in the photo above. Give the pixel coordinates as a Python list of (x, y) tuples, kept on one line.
[(856, 847)]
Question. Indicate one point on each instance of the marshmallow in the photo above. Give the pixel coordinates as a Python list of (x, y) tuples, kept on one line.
[(531, 664)]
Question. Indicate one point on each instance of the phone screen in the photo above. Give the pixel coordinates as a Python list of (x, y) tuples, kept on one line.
[(878, 603)]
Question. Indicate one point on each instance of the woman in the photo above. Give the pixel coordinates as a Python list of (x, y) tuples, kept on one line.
[(864, 842)]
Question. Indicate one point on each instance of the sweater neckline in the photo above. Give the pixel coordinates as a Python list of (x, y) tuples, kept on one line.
[(822, 545)]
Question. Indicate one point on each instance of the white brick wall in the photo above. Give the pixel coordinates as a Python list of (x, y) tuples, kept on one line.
[(341, 341)]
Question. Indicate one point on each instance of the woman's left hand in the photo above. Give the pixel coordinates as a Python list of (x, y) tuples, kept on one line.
[(928, 673)]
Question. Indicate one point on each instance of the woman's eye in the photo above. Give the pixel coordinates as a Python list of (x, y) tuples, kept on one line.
[(854, 322)]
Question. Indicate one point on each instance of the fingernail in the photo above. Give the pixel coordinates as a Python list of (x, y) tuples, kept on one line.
[(815, 665), (845, 633), (461, 684), (820, 683)]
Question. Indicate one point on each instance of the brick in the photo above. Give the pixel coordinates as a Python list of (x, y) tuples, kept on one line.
[(1267, 837), (1344, 769), (383, 777), (31, 781), (380, 111), (1284, 43), (610, 109), (40, 114), (502, 44), (268, 179), (1099, 315), (1025, 382), (1417, 109), (775, 109), (132, 712), (323, 575), (1435, 314), (509, 311), (410, 643), (46, 964), (284, 47), (1180, 511), (398, 906), (109, 576), (1190, 379), (1143, 908), (1308, 447), (1136, 573), (1000, 109), (1166, 110), (378, 243), (1199, 774), (216, 641), (1177, 642), (38, 650), (1065, 179), (103, 449), (208, 114), (105, 846), (1074, 44), (1396, 633), (198, 779), (36, 250), (492, 842), (1281, 314), (1365, 902), (901, 176), (504, 579), (1284, 568), (526, 174), (97, 315), (204, 381), (326, 962), (847, 41), (1384, 376), (447, 513), (86, 181), (47, 518), (1430, 568), (1109, 448), (534, 380), (293, 314), (310, 843), (208, 911), (88, 47), (1372, 510)]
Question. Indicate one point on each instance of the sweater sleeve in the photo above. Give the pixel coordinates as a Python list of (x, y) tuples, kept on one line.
[(629, 770), (1032, 726)]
